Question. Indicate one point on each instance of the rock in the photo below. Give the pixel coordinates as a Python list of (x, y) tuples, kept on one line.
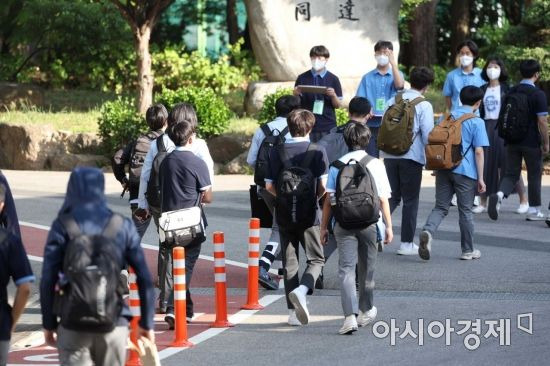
[(225, 148), (40, 147), (236, 166), (282, 33), (14, 95)]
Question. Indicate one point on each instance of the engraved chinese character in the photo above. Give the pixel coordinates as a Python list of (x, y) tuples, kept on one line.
[(302, 11), (346, 11)]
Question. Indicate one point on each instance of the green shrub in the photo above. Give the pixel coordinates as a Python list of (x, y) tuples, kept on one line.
[(119, 124), (268, 113), (341, 116), (512, 56), (440, 73), (212, 112)]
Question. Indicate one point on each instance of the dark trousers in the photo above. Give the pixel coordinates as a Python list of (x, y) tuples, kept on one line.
[(405, 176), (533, 160), (166, 280), (372, 147), (311, 242), (142, 226)]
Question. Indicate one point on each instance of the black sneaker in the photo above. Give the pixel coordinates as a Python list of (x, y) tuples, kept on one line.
[(319, 285), (493, 206), (548, 220), (171, 320), (266, 281)]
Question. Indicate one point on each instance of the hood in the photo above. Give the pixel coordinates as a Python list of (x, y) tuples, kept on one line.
[(86, 187)]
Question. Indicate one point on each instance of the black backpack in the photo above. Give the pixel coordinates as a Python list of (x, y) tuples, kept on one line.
[(153, 186), (515, 116), (270, 141), (296, 201), (139, 150), (357, 203), (89, 292)]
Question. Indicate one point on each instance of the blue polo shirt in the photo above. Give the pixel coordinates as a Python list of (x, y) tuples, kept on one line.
[(326, 121), (376, 86), (15, 266), (474, 135), (458, 79)]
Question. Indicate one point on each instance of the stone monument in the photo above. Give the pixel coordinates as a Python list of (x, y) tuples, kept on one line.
[(283, 31)]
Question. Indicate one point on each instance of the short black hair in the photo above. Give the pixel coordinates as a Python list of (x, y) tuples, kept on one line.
[(286, 104), (2, 193), (359, 106), (470, 95), (356, 136), (319, 51), (472, 46), (421, 77), (380, 45), (497, 60), (156, 116), (180, 132), (183, 112), (528, 68)]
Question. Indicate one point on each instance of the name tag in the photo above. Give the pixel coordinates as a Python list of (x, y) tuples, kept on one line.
[(318, 106), (380, 104)]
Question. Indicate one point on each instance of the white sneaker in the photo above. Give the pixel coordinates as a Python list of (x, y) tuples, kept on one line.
[(479, 209), (475, 254), (408, 249), (292, 319), (350, 325), (425, 247), (299, 301), (476, 200), (366, 318), (453, 200), (523, 208), (537, 216)]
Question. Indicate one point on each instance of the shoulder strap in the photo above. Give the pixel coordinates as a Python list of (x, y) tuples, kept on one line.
[(465, 117), (160, 144), (367, 159), (266, 130), (398, 97), (70, 225), (284, 157), (337, 164), (284, 132), (416, 100), (309, 155), (113, 226), (3, 236)]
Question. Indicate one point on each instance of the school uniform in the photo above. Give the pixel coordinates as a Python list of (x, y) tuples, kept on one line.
[(458, 79)]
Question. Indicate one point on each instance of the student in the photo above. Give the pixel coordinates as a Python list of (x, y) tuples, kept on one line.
[(322, 105), (8, 216), (462, 180), (283, 106), (133, 156), (185, 180), (530, 148), (14, 265), (465, 74), (185, 111), (405, 171), (359, 246), (378, 86), (85, 212), (494, 92), (298, 150)]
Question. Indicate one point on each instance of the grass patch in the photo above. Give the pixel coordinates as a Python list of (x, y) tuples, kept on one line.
[(242, 126), (75, 100), (75, 122)]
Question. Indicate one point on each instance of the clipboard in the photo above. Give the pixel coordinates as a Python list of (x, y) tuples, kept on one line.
[(312, 89)]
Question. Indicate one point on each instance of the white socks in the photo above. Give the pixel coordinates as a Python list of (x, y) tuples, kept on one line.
[(500, 195), (302, 289)]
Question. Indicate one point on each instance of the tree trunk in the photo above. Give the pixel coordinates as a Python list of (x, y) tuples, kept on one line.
[(142, 36), (460, 24), (420, 50), (232, 24)]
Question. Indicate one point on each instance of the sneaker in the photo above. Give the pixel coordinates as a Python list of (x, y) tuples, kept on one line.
[(292, 319), (407, 249), (479, 209), (548, 220), (298, 300), (319, 284), (537, 216), (475, 254), (124, 281), (425, 245), (171, 320), (523, 208), (350, 325), (266, 281), (453, 200), (476, 200), (368, 317), (493, 206)]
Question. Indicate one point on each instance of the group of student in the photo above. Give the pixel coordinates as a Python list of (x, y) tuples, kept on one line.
[(323, 184), (484, 165)]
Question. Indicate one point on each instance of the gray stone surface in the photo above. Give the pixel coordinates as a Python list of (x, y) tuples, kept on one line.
[(282, 35)]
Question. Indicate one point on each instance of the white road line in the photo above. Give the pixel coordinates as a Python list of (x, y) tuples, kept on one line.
[(236, 318)]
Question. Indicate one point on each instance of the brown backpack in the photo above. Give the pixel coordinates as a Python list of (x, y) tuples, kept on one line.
[(444, 148)]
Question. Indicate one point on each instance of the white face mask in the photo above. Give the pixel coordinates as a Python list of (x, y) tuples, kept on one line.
[(382, 60), (493, 73), (317, 64), (466, 60)]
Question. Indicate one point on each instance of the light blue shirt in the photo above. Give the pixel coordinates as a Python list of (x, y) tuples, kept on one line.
[(458, 79), (199, 148), (278, 124), (474, 135), (375, 85), (423, 125)]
